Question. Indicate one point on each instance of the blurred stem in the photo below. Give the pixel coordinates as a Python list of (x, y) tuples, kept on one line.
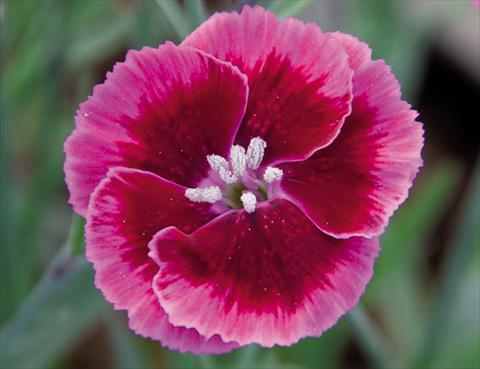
[(370, 340), (465, 238), (75, 241), (175, 17)]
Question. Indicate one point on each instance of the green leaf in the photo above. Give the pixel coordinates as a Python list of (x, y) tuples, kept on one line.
[(195, 11), (393, 35), (413, 223), (460, 334), (32, 102), (323, 352), (175, 17), (370, 339), (129, 351), (61, 307), (462, 248), (289, 8), (399, 270), (97, 39), (150, 27)]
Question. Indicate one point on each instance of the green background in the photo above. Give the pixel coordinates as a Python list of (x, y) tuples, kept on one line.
[(421, 309)]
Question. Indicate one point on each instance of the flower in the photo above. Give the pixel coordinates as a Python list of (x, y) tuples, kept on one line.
[(235, 185)]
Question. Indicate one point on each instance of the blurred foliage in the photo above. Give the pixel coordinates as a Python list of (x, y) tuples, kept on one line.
[(54, 51)]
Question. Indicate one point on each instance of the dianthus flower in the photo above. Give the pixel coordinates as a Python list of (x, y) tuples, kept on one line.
[(235, 186)]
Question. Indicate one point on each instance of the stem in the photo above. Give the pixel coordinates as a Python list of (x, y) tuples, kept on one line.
[(370, 339)]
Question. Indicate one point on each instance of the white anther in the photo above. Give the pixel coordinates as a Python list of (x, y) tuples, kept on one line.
[(220, 165), (217, 162), (255, 151), (238, 160), (272, 174), (227, 176), (249, 202), (208, 194)]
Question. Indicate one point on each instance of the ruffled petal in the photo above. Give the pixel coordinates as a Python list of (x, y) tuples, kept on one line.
[(270, 277), (126, 210), (162, 110), (299, 79), (354, 185)]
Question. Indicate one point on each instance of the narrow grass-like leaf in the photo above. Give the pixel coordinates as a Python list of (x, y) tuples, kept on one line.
[(464, 242), (28, 81), (412, 224), (370, 339), (196, 12), (129, 350), (98, 39), (61, 307), (176, 18), (460, 338), (396, 285), (289, 8)]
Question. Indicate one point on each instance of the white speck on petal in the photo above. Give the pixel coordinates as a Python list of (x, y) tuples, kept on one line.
[(272, 174), (208, 194), (255, 152), (249, 202)]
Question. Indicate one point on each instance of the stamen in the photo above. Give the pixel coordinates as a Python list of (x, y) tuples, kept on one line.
[(272, 174), (217, 162), (255, 152), (208, 194), (238, 160), (249, 202), (220, 165), (240, 175)]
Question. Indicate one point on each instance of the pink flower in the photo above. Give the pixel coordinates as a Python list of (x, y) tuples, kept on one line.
[(235, 186)]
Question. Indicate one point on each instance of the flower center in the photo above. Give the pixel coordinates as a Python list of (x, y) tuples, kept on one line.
[(238, 182)]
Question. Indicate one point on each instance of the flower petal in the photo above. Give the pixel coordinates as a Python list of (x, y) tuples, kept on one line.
[(162, 110), (299, 79), (353, 186), (270, 277), (126, 210)]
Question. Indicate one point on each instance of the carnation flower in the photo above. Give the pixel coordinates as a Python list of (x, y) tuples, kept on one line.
[(235, 186)]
